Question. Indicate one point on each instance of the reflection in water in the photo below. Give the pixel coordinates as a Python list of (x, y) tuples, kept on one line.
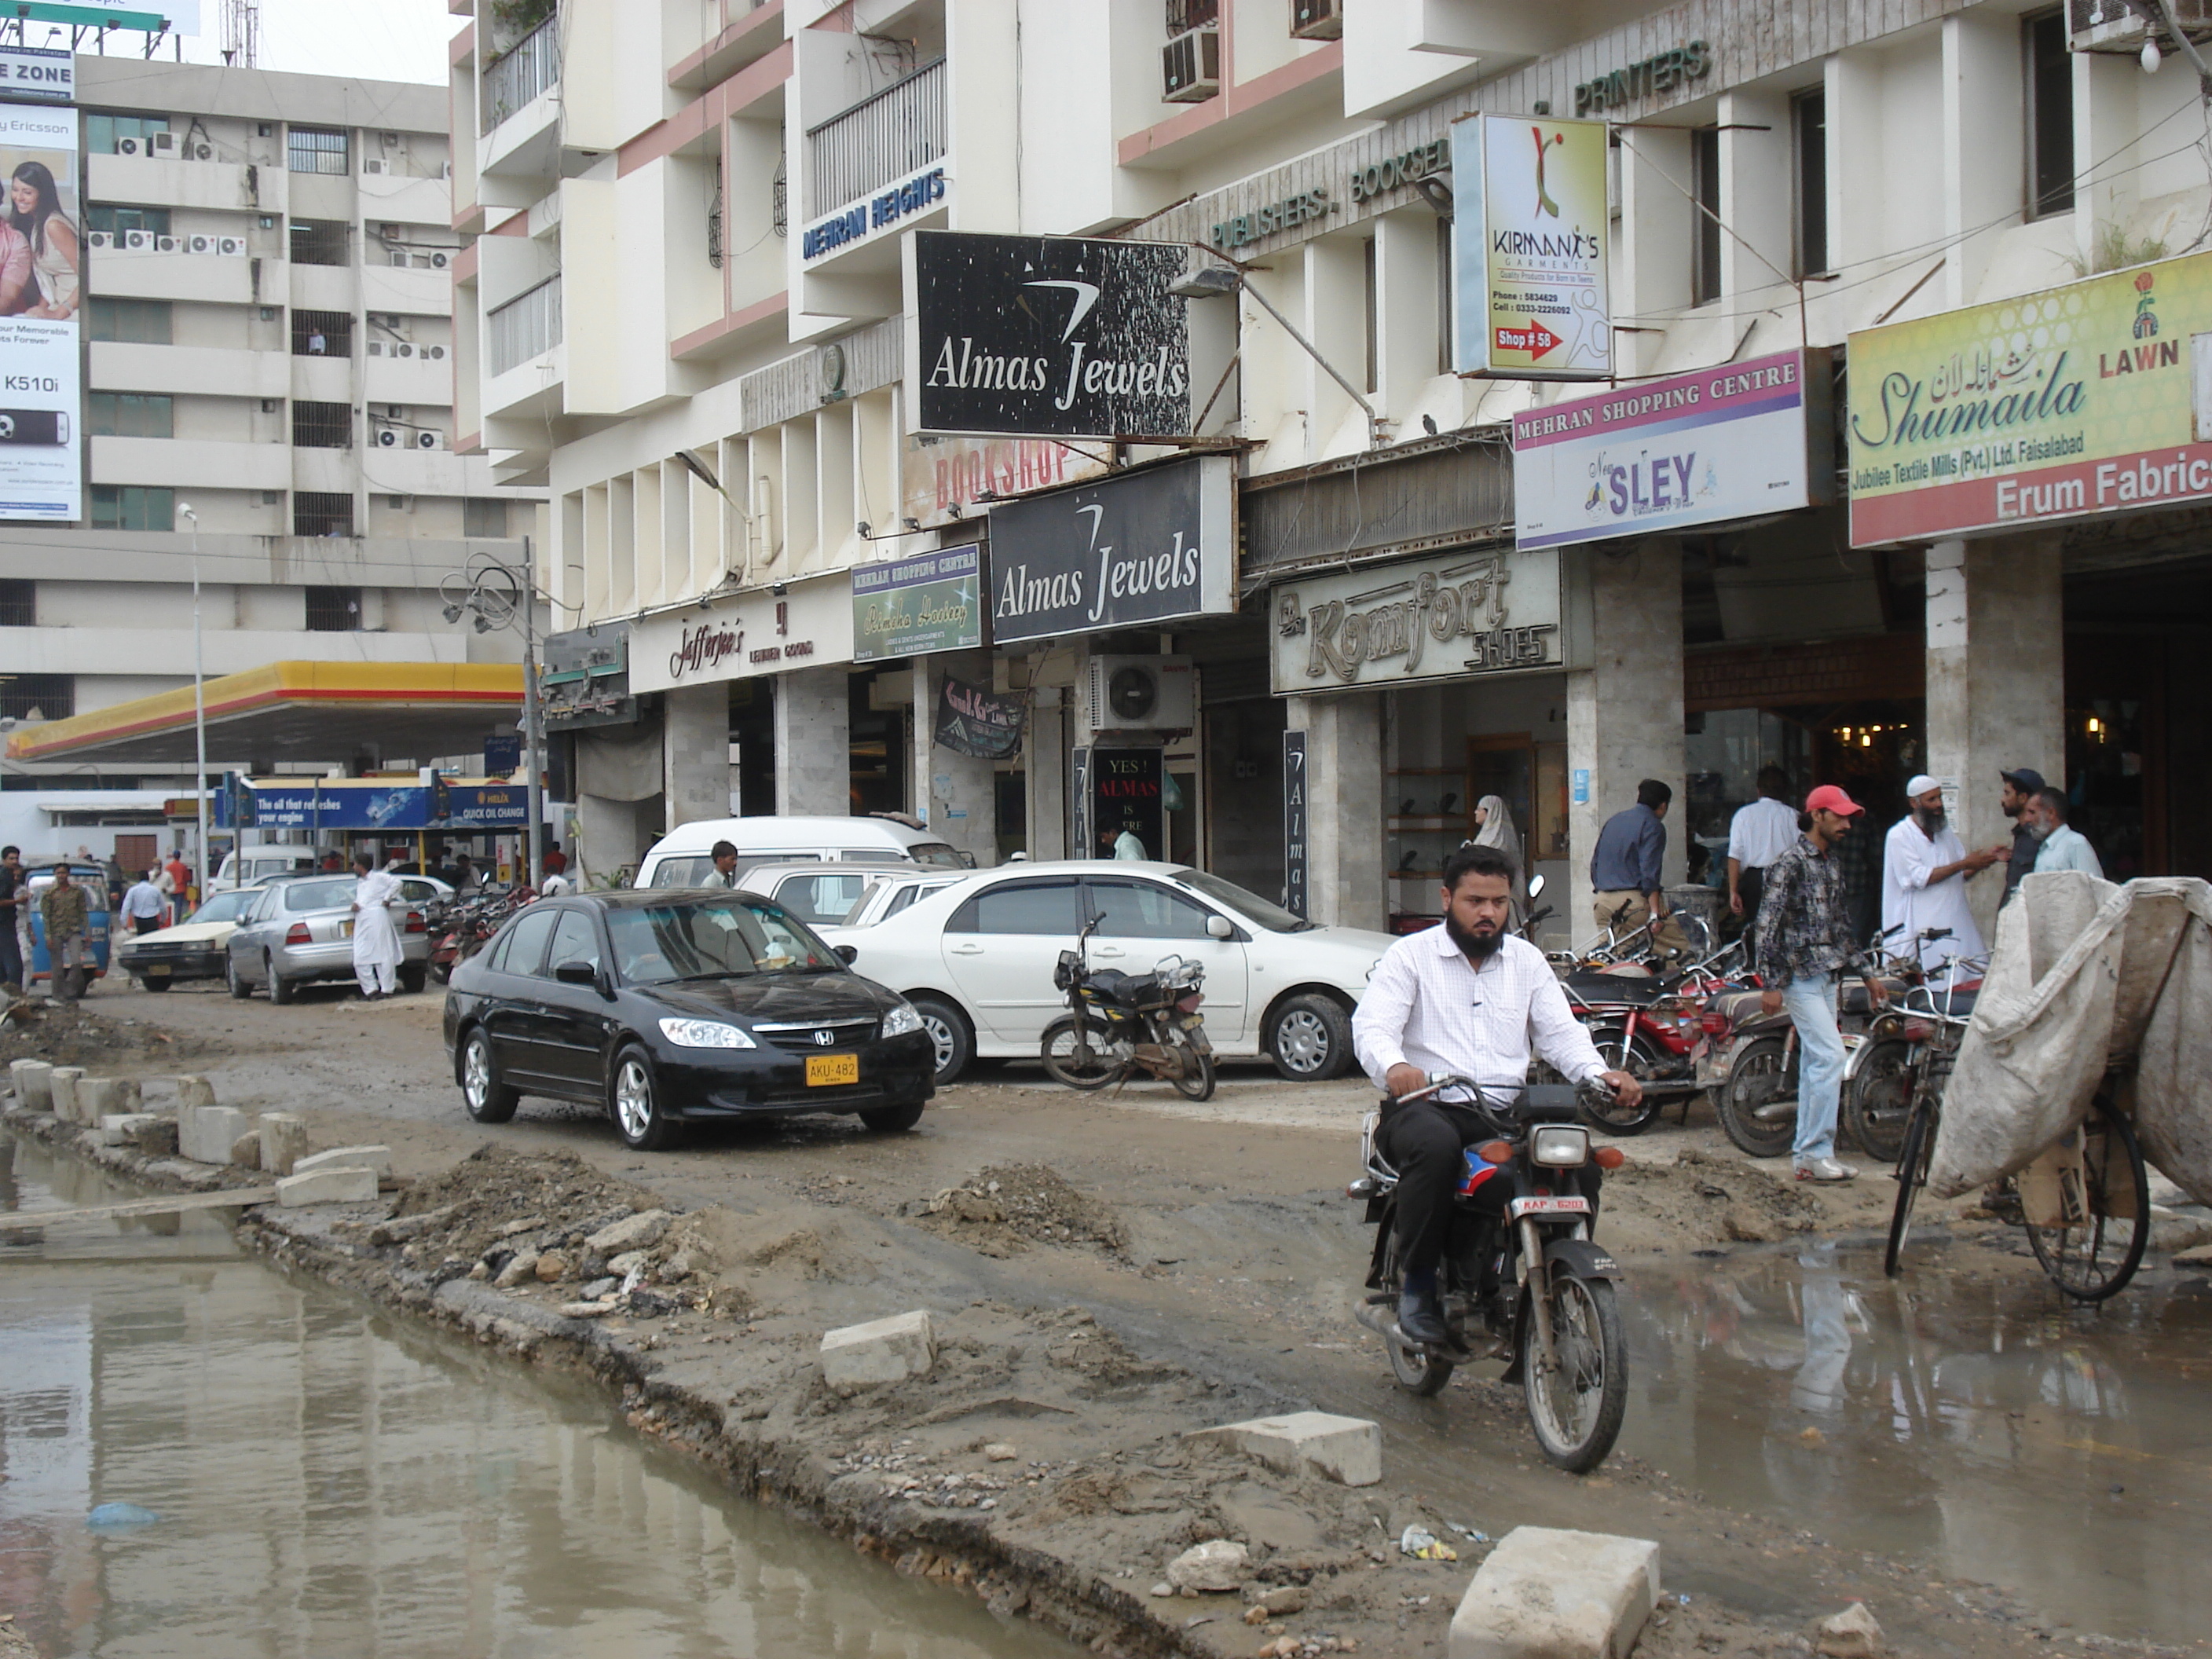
[(329, 1485), (1959, 1414)]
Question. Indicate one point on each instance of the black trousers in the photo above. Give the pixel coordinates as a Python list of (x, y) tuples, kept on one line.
[(1426, 1144), (1749, 885)]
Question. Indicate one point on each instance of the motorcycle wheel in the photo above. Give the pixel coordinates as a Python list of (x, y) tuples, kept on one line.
[(1418, 1371), (1879, 1102), (1073, 1057), (1576, 1406), (1196, 1084), (1635, 1057), (1759, 1077)]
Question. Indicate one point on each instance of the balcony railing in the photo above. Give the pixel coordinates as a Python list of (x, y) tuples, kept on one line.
[(530, 68), (525, 326), (881, 139)]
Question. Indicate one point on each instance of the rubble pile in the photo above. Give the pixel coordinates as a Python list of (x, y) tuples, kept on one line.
[(1006, 1207)]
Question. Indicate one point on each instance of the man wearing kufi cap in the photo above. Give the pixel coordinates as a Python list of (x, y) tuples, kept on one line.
[(1924, 882)]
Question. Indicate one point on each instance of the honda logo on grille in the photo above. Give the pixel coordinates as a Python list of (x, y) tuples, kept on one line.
[(824, 1039)]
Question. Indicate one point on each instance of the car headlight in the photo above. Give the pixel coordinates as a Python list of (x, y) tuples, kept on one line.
[(704, 1033), (1559, 1148), (901, 1020)]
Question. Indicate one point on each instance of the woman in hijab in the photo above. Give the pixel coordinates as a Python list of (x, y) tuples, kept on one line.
[(35, 211), (1495, 829)]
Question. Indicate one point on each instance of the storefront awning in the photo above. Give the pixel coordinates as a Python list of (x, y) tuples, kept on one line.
[(297, 712)]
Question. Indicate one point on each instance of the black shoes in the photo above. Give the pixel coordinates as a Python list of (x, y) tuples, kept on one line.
[(1421, 1321)]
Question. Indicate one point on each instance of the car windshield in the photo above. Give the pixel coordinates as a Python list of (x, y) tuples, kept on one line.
[(713, 939), (324, 893), (1250, 906), (225, 907)]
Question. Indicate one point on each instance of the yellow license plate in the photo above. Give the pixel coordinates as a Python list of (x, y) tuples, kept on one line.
[(156, 970), (824, 1070), (345, 929)]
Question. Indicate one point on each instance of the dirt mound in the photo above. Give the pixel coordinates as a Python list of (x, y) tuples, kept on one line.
[(1702, 1199), (492, 1189), (71, 1034), (1006, 1207)]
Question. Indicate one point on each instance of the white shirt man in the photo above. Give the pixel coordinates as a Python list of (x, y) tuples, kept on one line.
[(143, 902), (376, 953), (1923, 884)]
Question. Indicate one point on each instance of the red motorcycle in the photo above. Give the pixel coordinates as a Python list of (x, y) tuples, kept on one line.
[(1658, 1028)]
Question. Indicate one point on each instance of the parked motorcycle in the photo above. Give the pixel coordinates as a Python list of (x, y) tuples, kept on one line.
[(1529, 1286), (1655, 1028), (461, 927), (1122, 1025)]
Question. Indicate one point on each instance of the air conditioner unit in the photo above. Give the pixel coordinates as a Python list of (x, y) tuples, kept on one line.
[(395, 411), (399, 258), (445, 169), (426, 440), (202, 152), (376, 348), (167, 244), (386, 437), (403, 349), (232, 246), (433, 351), (374, 164), (129, 147), (391, 141), (1317, 20), (269, 405), (1190, 66), (440, 261), (100, 238), (201, 244), (138, 241), (161, 143), (390, 232), (1141, 694)]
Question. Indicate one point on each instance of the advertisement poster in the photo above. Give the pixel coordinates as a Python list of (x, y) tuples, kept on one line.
[(973, 721), (317, 805), (38, 75), (1127, 795), (1295, 896), (910, 607), (944, 479), (1699, 448), (1528, 248), (2077, 400), (41, 254)]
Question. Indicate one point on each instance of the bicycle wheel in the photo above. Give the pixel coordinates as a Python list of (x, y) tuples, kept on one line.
[(2096, 1244), (1912, 1176)]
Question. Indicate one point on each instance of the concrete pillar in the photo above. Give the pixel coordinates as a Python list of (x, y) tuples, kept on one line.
[(1996, 695), (1345, 821), (1044, 769), (608, 838), (1624, 711), (814, 743), (956, 794), (1984, 134), (695, 747)]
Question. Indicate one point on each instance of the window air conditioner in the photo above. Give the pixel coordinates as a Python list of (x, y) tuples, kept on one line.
[(138, 241), (129, 147), (234, 246), (167, 244), (1317, 20), (201, 244), (387, 439), (162, 144), (100, 238), (1141, 694), (426, 440), (1190, 66), (374, 164)]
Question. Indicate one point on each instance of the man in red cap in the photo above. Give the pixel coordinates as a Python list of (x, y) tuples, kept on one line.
[(1804, 944)]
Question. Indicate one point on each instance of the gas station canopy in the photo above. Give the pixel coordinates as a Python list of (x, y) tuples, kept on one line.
[(295, 712)]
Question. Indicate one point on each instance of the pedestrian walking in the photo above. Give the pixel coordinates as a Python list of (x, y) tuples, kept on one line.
[(65, 912), (180, 881), (14, 900), (1624, 871), (1493, 826), (375, 939), (142, 904), (1758, 834), (2061, 846), (1924, 871), (556, 862), (1805, 943), (2022, 786), (724, 873)]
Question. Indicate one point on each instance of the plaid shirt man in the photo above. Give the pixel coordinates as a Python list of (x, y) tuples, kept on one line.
[(1804, 923)]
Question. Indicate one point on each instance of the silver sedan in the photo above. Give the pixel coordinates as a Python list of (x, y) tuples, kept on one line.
[(301, 930)]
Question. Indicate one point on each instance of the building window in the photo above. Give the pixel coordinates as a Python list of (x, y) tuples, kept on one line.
[(38, 696), (485, 519), (315, 149), (1368, 290), (118, 221), (320, 242), (322, 334), (1808, 114), (333, 609), (1446, 293), (102, 131), (525, 327), (19, 603), (2050, 116), (130, 415), (322, 426), (315, 512), (1705, 227), (133, 507), (141, 322)]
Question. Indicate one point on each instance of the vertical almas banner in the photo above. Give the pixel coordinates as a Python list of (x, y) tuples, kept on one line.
[(41, 263), (1528, 248)]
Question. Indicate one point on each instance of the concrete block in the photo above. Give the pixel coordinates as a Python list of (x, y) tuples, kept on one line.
[(246, 1150), (1548, 1594), (205, 1135), (33, 1081), (155, 1136), (97, 1097), (283, 1141), (1345, 1448), (882, 1351), (335, 1185), (122, 1129), (640, 1232), (194, 1091), (62, 1080), (378, 1159)]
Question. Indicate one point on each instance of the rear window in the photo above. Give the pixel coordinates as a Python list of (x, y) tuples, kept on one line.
[(827, 897), (937, 853), (318, 895), (686, 871)]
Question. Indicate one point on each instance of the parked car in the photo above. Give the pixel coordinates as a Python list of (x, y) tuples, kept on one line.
[(684, 856), (976, 958), (665, 1008), (891, 891), (250, 867), (193, 948), (93, 878), (821, 894), (301, 929)]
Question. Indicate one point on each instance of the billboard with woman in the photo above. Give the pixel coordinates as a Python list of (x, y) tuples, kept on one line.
[(41, 265)]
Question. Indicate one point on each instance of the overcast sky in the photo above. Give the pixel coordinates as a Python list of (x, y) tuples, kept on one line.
[(376, 40)]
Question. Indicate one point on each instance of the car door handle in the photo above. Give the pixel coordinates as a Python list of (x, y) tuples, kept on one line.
[(1108, 951), (967, 950)]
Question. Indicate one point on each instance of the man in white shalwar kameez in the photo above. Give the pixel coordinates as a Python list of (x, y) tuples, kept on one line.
[(1923, 884), (375, 935)]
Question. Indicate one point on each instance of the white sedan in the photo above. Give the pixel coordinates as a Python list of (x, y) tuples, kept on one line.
[(975, 960)]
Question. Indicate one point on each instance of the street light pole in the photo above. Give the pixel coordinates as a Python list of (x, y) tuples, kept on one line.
[(499, 596), (199, 711)]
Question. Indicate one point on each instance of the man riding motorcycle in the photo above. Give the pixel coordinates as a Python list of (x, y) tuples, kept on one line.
[(1464, 999)]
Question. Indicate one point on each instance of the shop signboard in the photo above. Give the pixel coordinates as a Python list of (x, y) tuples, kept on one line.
[(1719, 444), (38, 75), (977, 723), (1528, 248), (1455, 615), (1134, 550), (911, 607), (41, 420), (945, 479), (583, 677), (370, 804), (1046, 335), (1295, 897), (2074, 402), (798, 625)]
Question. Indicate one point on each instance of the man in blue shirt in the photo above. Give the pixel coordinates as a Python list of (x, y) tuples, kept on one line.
[(2061, 846), (1624, 871)]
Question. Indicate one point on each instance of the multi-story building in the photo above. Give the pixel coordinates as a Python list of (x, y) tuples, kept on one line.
[(268, 308), (687, 318)]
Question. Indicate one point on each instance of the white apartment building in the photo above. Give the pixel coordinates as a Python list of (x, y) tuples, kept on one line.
[(684, 311), (268, 309)]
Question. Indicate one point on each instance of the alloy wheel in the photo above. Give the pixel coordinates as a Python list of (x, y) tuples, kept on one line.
[(1302, 1041), (944, 1044), (633, 1099), (476, 1075)]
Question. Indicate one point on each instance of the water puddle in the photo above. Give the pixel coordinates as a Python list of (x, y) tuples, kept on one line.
[(312, 1479), (1958, 1416)]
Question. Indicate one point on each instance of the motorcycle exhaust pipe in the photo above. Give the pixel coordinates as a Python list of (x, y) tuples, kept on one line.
[(1378, 1319)]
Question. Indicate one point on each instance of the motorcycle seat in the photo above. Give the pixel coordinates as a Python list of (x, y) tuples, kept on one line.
[(1120, 987)]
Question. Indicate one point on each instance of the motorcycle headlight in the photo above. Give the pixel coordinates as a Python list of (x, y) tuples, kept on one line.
[(704, 1033), (901, 1020), (1560, 1147)]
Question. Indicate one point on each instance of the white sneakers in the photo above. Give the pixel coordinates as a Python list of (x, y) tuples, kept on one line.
[(1824, 1168)]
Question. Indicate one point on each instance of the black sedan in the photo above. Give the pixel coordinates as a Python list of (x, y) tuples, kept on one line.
[(672, 1007)]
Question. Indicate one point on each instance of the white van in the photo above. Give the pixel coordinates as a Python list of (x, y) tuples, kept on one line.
[(685, 855), (257, 864)]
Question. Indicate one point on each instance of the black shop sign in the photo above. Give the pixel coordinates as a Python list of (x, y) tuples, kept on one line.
[(1059, 336), (1125, 795)]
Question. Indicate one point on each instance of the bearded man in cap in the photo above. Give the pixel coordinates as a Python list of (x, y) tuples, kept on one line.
[(1924, 882)]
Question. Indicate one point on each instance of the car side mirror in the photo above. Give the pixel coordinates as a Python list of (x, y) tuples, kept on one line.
[(577, 973), (1535, 888), (849, 954), (1219, 927)]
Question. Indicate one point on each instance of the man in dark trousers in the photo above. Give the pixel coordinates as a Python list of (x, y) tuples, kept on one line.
[(14, 894), (1758, 834), (2022, 786), (1624, 871)]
